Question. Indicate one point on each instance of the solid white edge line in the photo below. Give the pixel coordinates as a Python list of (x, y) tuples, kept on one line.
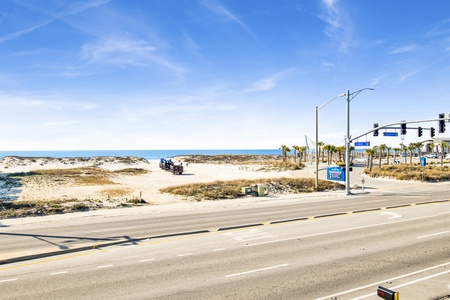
[(433, 234), (145, 260), (220, 249), (8, 280), (257, 270), (383, 281)]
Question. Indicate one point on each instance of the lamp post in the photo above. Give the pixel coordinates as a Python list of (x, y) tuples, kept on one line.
[(317, 138), (348, 139)]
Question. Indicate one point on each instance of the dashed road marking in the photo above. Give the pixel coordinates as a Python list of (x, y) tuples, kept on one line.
[(433, 234), (8, 280), (105, 266), (257, 270), (59, 273)]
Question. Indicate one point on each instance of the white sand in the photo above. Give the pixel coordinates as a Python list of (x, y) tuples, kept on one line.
[(147, 185)]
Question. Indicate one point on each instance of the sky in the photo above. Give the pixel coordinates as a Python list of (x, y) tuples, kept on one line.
[(218, 74)]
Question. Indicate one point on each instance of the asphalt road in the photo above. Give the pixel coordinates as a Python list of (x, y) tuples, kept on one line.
[(31, 237), (406, 249)]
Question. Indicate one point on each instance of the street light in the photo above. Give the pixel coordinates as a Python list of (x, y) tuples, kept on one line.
[(348, 139), (317, 138)]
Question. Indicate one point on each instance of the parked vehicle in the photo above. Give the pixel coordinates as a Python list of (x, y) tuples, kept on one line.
[(432, 155), (361, 160), (168, 165)]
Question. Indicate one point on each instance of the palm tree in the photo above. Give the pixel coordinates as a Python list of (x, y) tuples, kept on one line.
[(388, 149), (329, 148), (443, 146), (302, 151), (295, 152), (419, 146), (284, 150), (411, 147), (340, 150), (397, 151), (320, 145), (382, 147), (370, 155)]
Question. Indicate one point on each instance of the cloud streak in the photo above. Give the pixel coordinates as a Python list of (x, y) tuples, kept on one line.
[(338, 23), (71, 9)]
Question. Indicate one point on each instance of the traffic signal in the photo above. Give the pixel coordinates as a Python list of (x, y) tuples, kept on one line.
[(375, 132), (419, 131), (441, 123), (433, 131), (403, 129)]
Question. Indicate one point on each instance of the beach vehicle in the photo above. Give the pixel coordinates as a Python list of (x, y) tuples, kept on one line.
[(168, 165)]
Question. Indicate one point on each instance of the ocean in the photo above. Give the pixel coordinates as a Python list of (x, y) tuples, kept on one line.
[(147, 154)]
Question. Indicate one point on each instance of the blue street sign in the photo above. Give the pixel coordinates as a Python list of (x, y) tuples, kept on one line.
[(423, 161), (335, 173), (386, 133), (362, 144)]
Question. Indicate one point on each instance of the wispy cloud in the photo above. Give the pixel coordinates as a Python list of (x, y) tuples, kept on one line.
[(404, 49), (338, 27), (19, 33), (268, 83), (225, 13), (124, 49), (71, 9)]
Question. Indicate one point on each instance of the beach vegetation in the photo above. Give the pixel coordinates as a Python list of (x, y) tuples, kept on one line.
[(233, 189), (429, 173)]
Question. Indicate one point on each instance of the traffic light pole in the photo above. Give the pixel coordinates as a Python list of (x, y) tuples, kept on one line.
[(389, 126)]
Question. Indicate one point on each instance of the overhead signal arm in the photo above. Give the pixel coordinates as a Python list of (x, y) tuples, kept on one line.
[(388, 126)]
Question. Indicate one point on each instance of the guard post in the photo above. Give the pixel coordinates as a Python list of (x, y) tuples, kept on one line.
[(387, 294)]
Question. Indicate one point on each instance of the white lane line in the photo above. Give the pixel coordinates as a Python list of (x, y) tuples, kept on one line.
[(59, 273), (433, 234), (145, 260), (257, 270), (383, 281), (105, 266), (269, 213), (336, 231), (220, 249), (8, 280), (405, 284), (444, 213), (185, 254), (113, 229)]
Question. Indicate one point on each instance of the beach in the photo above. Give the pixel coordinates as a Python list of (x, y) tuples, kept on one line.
[(122, 186)]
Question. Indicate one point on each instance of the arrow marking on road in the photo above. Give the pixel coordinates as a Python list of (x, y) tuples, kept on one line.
[(393, 215)]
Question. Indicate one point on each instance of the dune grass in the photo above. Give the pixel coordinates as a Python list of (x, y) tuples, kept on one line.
[(233, 189), (430, 173)]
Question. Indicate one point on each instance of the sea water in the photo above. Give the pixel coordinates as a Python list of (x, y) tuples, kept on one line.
[(147, 154)]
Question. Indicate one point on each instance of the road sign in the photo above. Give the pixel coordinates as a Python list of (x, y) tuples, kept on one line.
[(362, 144), (387, 133), (335, 173), (423, 161)]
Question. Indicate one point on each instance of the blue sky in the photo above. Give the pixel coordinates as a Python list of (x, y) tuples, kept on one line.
[(217, 74)]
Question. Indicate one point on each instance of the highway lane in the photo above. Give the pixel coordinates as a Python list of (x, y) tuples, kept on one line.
[(57, 234), (345, 257)]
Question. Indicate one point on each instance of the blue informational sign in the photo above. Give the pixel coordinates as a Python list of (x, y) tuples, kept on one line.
[(423, 161), (336, 174), (386, 133), (362, 144)]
